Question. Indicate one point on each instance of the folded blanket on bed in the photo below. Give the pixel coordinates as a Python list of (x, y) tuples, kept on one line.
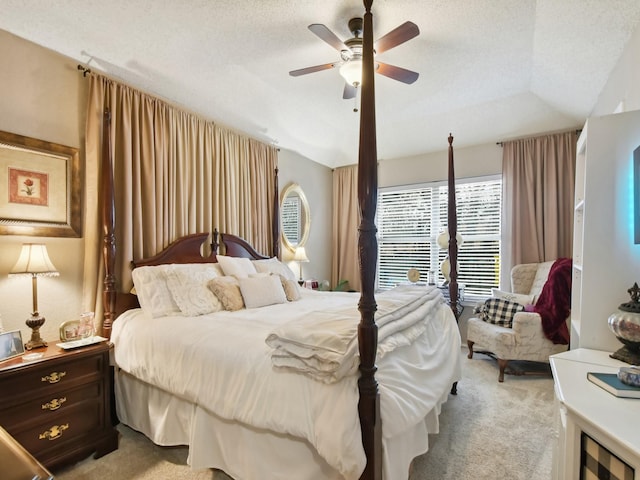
[(324, 344)]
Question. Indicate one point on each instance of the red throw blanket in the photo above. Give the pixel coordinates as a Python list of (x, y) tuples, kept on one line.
[(554, 302)]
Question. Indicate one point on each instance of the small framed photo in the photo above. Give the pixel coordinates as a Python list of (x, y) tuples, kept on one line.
[(11, 345), (70, 331)]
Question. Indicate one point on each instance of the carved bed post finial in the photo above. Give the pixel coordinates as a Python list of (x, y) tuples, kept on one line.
[(108, 226), (369, 403), (215, 241)]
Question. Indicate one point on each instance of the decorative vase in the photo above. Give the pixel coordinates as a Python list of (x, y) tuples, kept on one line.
[(625, 324)]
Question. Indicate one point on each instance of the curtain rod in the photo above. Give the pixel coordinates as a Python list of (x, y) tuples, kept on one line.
[(578, 131), (85, 70)]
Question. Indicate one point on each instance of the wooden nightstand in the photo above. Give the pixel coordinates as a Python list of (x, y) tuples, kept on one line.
[(59, 406)]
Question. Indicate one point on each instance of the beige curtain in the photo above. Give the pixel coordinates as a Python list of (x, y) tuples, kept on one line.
[(538, 176), (346, 220), (174, 174)]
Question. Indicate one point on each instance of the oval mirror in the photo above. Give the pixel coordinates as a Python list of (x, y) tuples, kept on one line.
[(295, 218)]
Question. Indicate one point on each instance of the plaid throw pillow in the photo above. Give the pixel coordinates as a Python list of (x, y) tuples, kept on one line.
[(498, 311)]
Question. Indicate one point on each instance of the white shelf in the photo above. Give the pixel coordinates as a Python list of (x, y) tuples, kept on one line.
[(585, 407)]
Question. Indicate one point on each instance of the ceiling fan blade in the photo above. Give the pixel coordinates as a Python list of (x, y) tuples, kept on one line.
[(397, 73), (397, 36), (328, 36), (316, 68), (349, 91)]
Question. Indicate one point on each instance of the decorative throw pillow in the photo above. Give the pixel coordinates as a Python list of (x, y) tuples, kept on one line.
[(291, 288), (520, 298), (262, 291), (289, 280), (188, 286), (273, 265), (150, 283), (227, 289), (236, 266), (498, 311)]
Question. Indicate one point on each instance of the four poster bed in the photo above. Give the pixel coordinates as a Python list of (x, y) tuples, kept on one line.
[(263, 391)]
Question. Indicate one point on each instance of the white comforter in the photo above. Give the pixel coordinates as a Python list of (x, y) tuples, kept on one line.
[(222, 363), (324, 345)]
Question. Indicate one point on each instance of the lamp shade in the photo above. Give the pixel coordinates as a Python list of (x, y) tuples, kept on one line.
[(300, 255), (34, 260)]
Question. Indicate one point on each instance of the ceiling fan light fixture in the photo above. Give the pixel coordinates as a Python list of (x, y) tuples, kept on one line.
[(351, 71)]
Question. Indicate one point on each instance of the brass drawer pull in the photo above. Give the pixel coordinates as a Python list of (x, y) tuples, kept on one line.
[(54, 377), (54, 404), (54, 432)]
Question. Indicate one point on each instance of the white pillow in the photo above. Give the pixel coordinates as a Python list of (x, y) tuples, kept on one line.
[(273, 265), (237, 266), (153, 293), (520, 298), (188, 284), (262, 291)]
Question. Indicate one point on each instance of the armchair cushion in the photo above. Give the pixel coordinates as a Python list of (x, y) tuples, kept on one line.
[(498, 311)]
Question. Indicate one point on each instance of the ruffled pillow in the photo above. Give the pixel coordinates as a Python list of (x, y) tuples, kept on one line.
[(154, 297), (188, 285)]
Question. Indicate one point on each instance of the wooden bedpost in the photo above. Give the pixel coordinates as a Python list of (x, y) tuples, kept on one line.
[(275, 226), (108, 227), (369, 403), (453, 232)]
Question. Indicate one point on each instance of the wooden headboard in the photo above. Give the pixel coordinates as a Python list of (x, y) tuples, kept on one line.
[(189, 249)]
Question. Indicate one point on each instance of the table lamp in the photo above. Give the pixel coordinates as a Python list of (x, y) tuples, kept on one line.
[(34, 260), (300, 256)]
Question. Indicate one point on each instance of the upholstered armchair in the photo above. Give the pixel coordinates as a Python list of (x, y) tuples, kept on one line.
[(525, 340)]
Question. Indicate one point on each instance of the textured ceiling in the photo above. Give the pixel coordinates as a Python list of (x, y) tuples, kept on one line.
[(489, 70)]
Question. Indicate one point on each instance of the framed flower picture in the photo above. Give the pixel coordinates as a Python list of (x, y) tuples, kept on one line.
[(43, 185)]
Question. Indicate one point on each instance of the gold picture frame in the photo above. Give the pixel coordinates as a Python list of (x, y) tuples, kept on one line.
[(42, 181)]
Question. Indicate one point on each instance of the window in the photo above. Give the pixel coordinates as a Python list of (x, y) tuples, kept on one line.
[(410, 219)]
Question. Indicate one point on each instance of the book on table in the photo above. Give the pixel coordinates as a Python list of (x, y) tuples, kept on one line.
[(612, 384)]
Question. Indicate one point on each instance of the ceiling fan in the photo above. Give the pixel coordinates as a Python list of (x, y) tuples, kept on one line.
[(350, 63)]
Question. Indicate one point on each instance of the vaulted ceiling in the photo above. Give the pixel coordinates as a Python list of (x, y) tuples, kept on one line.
[(489, 69)]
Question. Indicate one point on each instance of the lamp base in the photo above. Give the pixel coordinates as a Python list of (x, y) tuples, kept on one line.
[(34, 323), (627, 355)]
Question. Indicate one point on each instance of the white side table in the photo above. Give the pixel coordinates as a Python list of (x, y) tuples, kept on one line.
[(585, 408)]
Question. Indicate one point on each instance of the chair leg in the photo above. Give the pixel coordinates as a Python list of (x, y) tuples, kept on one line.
[(502, 364), (470, 345)]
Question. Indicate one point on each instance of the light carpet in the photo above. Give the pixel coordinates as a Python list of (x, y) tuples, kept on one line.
[(488, 431)]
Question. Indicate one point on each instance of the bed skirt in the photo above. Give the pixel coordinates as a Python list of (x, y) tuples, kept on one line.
[(244, 452)]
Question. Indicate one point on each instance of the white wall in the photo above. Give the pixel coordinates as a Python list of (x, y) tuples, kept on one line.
[(473, 161), (623, 84), (317, 183), (44, 97)]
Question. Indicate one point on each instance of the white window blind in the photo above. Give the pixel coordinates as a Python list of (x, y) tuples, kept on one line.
[(410, 219)]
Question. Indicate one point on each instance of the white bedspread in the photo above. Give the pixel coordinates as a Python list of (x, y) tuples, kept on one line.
[(324, 344), (222, 363)]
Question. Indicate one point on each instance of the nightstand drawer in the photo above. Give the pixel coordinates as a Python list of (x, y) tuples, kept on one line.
[(47, 406), (59, 406), (82, 420), (49, 377)]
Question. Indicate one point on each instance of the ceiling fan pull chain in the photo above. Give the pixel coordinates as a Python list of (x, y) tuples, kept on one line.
[(355, 99)]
